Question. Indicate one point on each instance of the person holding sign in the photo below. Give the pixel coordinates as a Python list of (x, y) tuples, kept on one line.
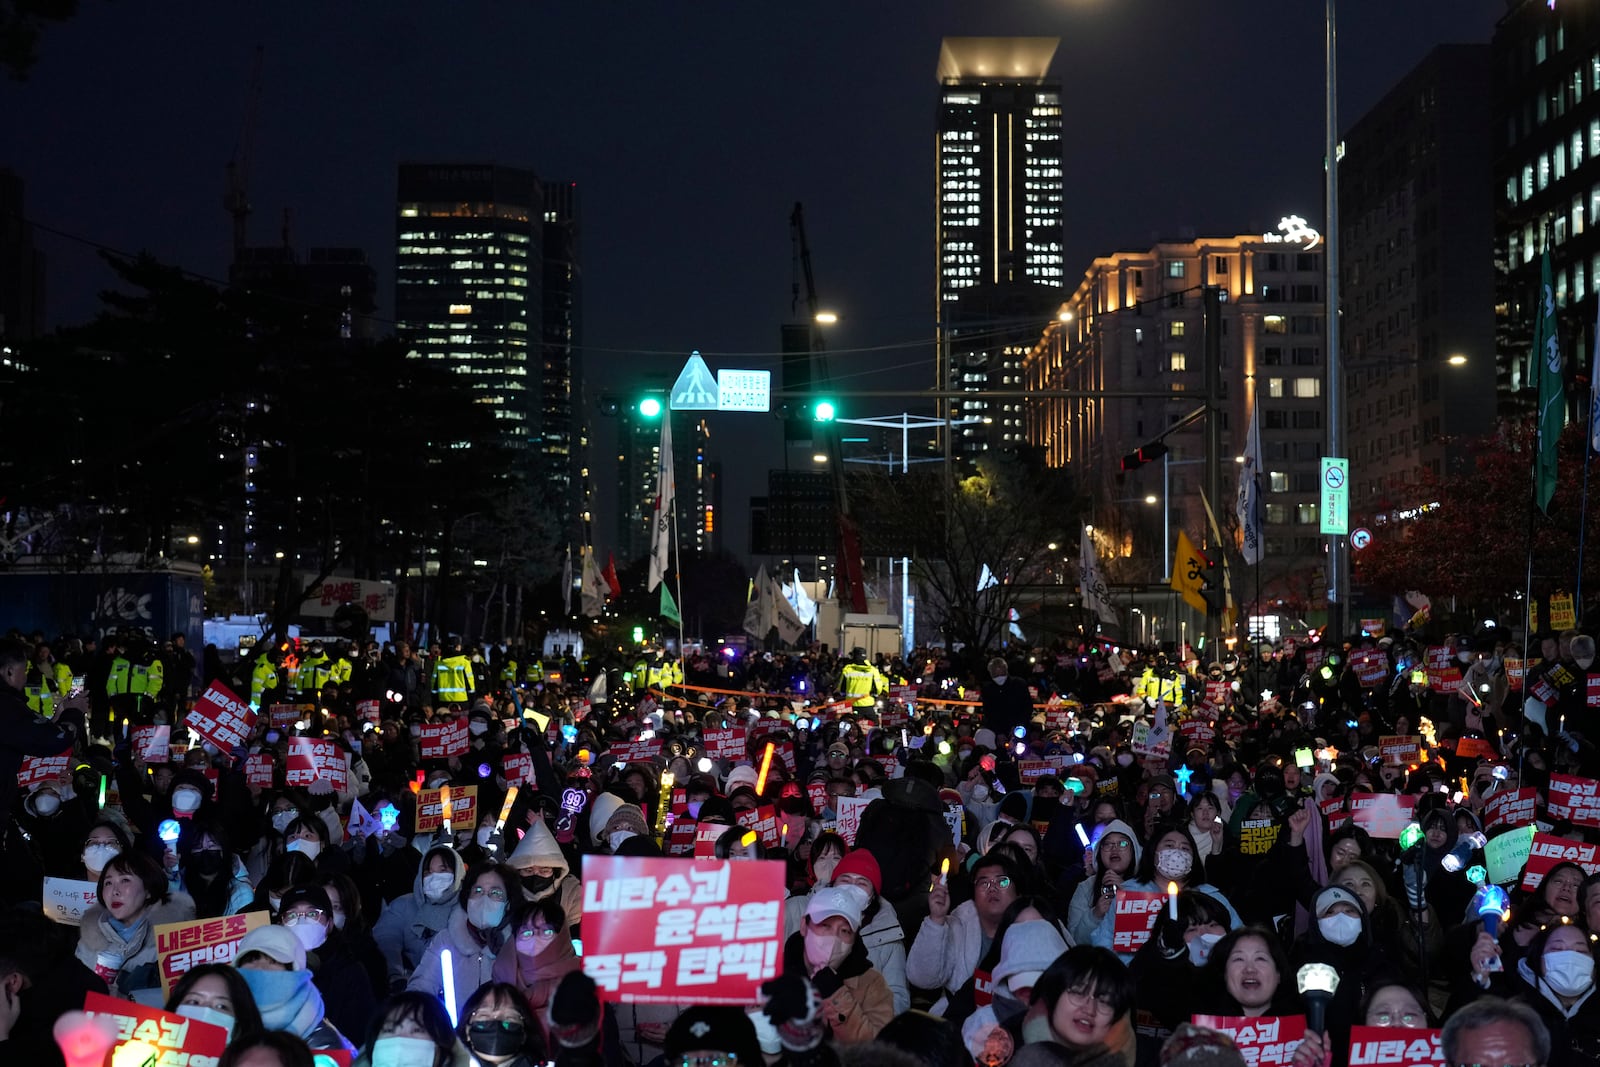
[(117, 938), (23, 732), (1171, 859), (856, 1002), (1168, 968)]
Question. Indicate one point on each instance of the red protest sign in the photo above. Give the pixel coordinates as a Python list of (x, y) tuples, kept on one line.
[(1136, 915), (1394, 1046), (1263, 1040), (1382, 815), (180, 1040), (1059, 716), (764, 821), (706, 836), (518, 769), (1370, 665), (1514, 673), (1232, 731), (680, 842), (222, 718), (1548, 850), (725, 744), (1510, 809), (313, 758), (369, 710), (1574, 799), (637, 751), (441, 740), (1476, 748), (1443, 674), (1218, 692), (1335, 811), (37, 769), (150, 743), (258, 771), (1197, 733), (675, 931), (283, 716), (1401, 751), (1031, 770), (181, 947), (463, 807), (818, 792)]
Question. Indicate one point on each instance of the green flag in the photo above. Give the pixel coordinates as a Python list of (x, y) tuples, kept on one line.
[(669, 607), (1545, 360)]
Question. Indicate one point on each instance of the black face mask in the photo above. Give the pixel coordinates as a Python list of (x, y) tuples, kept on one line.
[(537, 883), (205, 862), (496, 1038)]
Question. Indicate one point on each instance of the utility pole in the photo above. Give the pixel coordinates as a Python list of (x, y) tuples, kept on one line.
[(1212, 323)]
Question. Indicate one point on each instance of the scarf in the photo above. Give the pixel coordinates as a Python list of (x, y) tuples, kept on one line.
[(524, 971), (287, 999)]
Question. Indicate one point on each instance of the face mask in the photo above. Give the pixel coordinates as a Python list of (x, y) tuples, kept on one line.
[(1463, 657), (1125, 759), (826, 948), (311, 934), (483, 835), (404, 1052), (436, 887), (416, 731), (694, 809), (186, 800), (496, 1038), (485, 914), (477, 727), (964, 753), (1000, 679), (338, 920), (1173, 862), (980, 793), (1340, 929), (1585, 661), (46, 803), (1200, 948), (274, 901), (205, 861), (1568, 973), (281, 821), (618, 837), (537, 883), (95, 857), (309, 848), (204, 1014)]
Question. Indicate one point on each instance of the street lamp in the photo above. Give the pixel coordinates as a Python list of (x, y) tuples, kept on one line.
[(1150, 498), (1457, 360), (827, 318)]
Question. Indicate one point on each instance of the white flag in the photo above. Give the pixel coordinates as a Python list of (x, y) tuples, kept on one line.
[(790, 628), (804, 606), (759, 616), (661, 519), (1247, 504), (986, 578), (594, 588), (566, 583), (1091, 586), (597, 689)]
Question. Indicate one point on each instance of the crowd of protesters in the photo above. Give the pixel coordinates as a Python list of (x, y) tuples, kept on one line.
[(965, 913)]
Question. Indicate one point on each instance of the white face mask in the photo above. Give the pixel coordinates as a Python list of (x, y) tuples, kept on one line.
[(1200, 948), (311, 934), (1174, 862), (1568, 973), (1340, 929), (1584, 662), (1463, 657), (618, 837), (980, 793), (483, 835), (338, 920), (186, 800), (95, 857), (404, 1052), (205, 1014), (1000, 679), (477, 727), (485, 914), (436, 887), (1125, 759), (309, 848), (46, 803), (281, 821)]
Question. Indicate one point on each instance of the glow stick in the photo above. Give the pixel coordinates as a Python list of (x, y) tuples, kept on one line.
[(449, 985), (124, 727), (766, 765), (444, 807), (944, 870), (1083, 835), (505, 809), (748, 839), (102, 791), (1172, 901)]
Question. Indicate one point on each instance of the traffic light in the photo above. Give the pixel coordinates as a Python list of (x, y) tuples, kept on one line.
[(823, 410), (650, 407), (1146, 454), (1211, 585), (647, 405)]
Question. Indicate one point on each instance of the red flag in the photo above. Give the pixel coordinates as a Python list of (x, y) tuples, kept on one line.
[(610, 575)]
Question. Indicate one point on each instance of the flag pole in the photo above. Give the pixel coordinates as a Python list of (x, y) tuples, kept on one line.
[(677, 575), (1534, 358), (1588, 454)]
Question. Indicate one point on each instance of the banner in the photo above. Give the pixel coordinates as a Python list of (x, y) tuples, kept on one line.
[(849, 810), (463, 808), (725, 744), (1030, 771), (258, 771), (283, 716), (1574, 799), (1263, 1040), (177, 1040), (369, 711), (1257, 836), (37, 770), (312, 758), (1394, 1046), (66, 899), (1197, 733), (1443, 673), (764, 821), (222, 718), (1507, 854), (1400, 751), (1548, 850), (183, 946), (1136, 915), (637, 751), (1371, 667), (441, 740), (1510, 808), (1382, 815), (150, 743), (674, 931), (518, 770)]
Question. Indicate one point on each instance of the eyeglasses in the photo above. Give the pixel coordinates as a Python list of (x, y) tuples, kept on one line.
[(310, 915), (1119, 845), (1405, 1018), (529, 935), (1564, 883), (497, 895), (718, 1059), (1003, 882), (1102, 1001)]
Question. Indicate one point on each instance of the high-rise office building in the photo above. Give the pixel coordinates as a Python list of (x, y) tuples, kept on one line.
[(999, 224), (696, 481), (21, 267), (562, 435), (333, 289), (1417, 279)]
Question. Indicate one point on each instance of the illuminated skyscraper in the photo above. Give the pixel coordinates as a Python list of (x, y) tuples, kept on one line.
[(999, 223)]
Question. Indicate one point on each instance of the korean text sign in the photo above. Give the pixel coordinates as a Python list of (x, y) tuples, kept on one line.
[(441, 740), (463, 807), (1265, 1040), (1383, 815), (1548, 850), (180, 1041), (222, 718), (1511, 808), (181, 947), (312, 758), (1394, 1046), (1136, 916), (37, 769), (1577, 799), (681, 931)]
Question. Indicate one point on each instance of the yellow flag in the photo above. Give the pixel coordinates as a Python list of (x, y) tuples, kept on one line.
[(1187, 568)]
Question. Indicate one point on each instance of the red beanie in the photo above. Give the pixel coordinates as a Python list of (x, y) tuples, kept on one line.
[(860, 862)]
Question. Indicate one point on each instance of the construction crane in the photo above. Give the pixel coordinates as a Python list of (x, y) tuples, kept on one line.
[(852, 587), (236, 199)]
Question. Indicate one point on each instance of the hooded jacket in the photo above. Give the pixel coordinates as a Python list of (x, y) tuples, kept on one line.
[(410, 922), (537, 976), (538, 848), (1081, 920), (137, 947), (472, 956)]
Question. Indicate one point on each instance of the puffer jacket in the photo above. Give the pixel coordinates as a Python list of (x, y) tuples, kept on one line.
[(137, 978), (538, 848), (883, 936), (472, 956), (410, 922), (943, 957)]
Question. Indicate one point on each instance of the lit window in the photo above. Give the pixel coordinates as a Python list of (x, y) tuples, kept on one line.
[(460, 309), (1307, 388), (1275, 387)]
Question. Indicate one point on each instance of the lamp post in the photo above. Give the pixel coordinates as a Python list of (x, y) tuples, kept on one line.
[(1338, 548)]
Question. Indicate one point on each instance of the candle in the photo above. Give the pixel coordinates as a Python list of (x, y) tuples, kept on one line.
[(766, 765), (444, 809), (124, 727), (1172, 901), (944, 870)]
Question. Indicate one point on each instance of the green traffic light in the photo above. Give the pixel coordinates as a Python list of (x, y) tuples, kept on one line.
[(649, 407), (824, 411), (638, 633)]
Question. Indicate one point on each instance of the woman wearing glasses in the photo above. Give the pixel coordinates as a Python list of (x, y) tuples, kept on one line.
[(543, 953), (1084, 1000), (500, 1028), (478, 928), (1171, 858), (1114, 859)]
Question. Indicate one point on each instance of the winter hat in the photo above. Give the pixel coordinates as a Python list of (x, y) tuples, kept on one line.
[(713, 1029), (1029, 948), (628, 817), (274, 942), (984, 738), (605, 805), (846, 901), (863, 863), (742, 775), (1328, 896)]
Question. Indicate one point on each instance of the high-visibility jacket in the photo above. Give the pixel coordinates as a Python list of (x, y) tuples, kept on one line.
[(312, 673), (452, 680), (533, 673), (508, 673), (263, 676), (340, 671), (138, 679), (41, 690), (1158, 689), (861, 682), (641, 676), (665, 673)]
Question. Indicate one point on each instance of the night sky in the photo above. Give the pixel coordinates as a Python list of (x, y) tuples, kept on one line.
[(691, 128)]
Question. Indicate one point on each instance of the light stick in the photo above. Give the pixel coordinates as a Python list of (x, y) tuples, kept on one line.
[(124, 727), (449, 985), (1318, 982), (505, 809), (662, 806), (102, 791), (84, 1039), (944, 870), (1083, 835), (444, 807), (766, 765), (1493, 905)]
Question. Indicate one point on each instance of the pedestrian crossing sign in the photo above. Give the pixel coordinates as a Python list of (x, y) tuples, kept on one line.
[(696, 387)]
